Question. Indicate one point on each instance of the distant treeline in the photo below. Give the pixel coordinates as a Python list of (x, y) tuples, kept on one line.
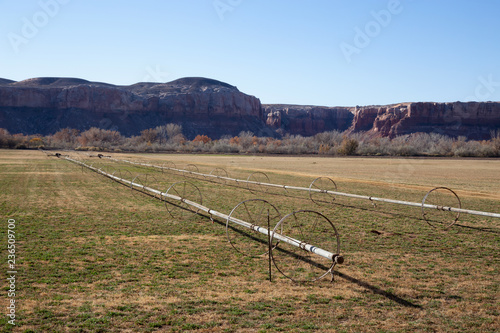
[(169, 138)]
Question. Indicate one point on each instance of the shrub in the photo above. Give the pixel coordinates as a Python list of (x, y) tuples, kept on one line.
[(324, 149), (224, 147), (202, 138), (149, 135), (348, 147)]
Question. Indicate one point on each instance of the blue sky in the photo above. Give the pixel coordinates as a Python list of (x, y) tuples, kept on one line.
[(323, 52)]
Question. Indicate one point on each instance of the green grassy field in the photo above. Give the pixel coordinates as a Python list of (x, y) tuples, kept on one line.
[(92, 256)]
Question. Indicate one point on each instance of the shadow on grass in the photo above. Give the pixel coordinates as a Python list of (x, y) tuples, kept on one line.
[(483, 229), (363, 284), (378, 291), (446, 226), (368, 286)]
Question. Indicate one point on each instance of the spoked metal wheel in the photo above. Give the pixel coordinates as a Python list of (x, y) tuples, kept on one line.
[(189, 170), (139, 182), (442, 199), (255, 180), (124, 175), (245, 223), (116, 173), (111, 170), (184, 190), (168, 166), (318, 191), (104, 168), (85, 165), (152, 182), (96, 168), (293, 259), (219, 174)]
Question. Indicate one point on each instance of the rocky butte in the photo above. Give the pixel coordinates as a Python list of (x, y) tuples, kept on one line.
[(201, 106), (206, 106)]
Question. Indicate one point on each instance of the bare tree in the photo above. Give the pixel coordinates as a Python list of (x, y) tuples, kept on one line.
[(245, 139), (67, 137), (166, 133), (100, 137), (161, 132), (149, 135), (173, 130)]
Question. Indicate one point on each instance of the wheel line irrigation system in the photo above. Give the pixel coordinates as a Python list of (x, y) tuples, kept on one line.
[(258, 220), (273, 236), (311, 189)]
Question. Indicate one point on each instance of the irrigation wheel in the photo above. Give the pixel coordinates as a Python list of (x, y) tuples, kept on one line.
[(247, 241), (140, 182), (111, 170), (168, 166), (124, 175), (220, 174), (318, 191), (152, 182), (96, 168), (116, 173), (300, 228), (189, 170), (85, 165), (185, 191), (444, 199), (255, 180)]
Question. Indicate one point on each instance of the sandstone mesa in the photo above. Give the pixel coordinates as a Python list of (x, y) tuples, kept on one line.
[(214, 108)]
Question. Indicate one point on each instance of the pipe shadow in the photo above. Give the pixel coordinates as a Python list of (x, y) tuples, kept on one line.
[(302, 258), (378, 291), (379, 211), (360, 283), (484, 229), (250, 234)]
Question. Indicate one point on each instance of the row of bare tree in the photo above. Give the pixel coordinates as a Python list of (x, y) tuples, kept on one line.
[(169, 138)]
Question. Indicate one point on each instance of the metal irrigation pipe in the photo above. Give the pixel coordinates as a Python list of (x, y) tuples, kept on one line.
[(297, 188), (308, 247)]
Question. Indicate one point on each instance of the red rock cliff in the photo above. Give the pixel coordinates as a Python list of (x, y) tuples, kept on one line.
[(307, 120), (214, 108), (202, 106), (474, 120)]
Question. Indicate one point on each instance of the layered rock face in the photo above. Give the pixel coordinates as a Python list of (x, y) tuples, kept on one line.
[(202, 106), (210, 107), (474, 120), (307, 120)]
